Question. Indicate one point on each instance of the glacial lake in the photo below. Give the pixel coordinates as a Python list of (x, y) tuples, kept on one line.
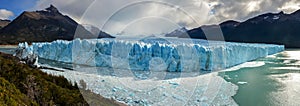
[(276, 83), (273, 80)]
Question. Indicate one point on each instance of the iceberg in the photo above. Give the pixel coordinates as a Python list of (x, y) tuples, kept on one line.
[(153, 54)]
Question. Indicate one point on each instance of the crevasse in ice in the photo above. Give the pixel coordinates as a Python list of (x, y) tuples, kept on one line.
[(155, 54)]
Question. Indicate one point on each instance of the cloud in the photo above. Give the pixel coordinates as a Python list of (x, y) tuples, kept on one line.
[(137, 17), (290, 6), (5, 14), (244, 9)]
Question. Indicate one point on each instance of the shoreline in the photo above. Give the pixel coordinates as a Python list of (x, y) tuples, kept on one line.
[(8, 46)]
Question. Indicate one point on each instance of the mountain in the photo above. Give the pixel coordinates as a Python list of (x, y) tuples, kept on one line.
[(3, 23), (96, 31), (273, 28), (44, 25), (178, 32)]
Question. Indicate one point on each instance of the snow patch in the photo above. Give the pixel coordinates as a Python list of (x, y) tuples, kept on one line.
[(276, 17)]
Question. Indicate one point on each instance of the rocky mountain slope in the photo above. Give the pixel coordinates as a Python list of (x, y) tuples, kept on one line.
[(3, 23), (44, 25), (273, 28)]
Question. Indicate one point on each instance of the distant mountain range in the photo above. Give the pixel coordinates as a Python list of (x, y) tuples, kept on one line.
[(44, 25), (50, 25), (96, 31), (271, 28), (177, 33)]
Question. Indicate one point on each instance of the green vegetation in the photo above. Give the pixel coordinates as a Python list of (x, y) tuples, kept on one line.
[(22, 85), (11, 96)]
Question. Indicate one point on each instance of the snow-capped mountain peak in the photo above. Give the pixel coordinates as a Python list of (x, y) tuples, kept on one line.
[(178, 32)]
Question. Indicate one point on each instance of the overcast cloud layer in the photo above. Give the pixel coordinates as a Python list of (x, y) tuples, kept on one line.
[(137, 17)]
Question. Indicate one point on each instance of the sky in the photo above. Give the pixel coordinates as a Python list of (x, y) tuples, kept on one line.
[(146, 17), (9, 9)]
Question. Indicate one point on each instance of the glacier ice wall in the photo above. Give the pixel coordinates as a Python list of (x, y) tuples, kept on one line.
[(155, 54)]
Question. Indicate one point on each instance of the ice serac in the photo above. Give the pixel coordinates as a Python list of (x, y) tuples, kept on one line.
[(154, 54), (25, 54)]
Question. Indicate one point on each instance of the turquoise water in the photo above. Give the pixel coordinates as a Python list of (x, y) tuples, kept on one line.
[(276, 83), (7, 50)]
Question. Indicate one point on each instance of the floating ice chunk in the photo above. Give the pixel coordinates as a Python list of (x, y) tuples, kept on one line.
[(242, 83), (247, 64)]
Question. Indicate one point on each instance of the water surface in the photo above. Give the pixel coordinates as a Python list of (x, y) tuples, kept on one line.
[(276, 83)]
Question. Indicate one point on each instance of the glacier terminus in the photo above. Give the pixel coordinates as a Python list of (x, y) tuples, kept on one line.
[(152, 54)]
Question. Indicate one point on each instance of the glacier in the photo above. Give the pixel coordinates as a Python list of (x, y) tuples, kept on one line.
[(152, 54), (204, 90)]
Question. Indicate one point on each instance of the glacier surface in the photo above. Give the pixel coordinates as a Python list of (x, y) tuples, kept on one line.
[(153, 54), (204, 90)]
